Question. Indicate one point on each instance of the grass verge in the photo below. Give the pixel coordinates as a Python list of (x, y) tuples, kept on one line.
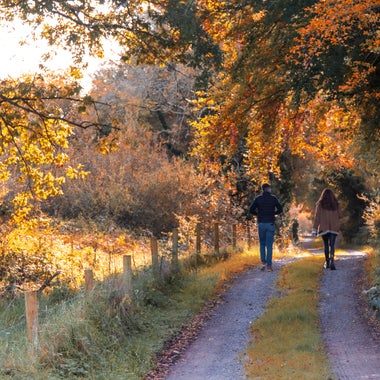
[(372, 267), (287, 343), (105, 335)]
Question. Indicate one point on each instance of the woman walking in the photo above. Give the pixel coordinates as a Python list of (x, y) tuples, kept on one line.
[(326, 224)]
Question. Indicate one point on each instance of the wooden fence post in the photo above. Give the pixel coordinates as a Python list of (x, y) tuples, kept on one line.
[(216, 238), (127, 274), (31, 308), (198, 241), (88, 279), (234, 237), (154, 251), (175, 262)]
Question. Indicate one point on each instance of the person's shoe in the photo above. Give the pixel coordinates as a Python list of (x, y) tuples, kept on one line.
[(327, 264), (332, 265), (269, 268), (263, 268)]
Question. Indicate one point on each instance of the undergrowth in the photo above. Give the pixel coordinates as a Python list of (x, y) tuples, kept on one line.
[(373, 274), (287, 342)]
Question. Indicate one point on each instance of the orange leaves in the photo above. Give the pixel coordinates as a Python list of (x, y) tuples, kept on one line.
[(339, 49), (337, 23), (327, 131), (278, 92), (358, 78), (321, 131)]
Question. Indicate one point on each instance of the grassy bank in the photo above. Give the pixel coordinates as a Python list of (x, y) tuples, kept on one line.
[(105, 335), (287, 342), (372, 267)]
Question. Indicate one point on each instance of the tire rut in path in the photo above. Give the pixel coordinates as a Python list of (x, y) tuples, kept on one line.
[(354, 352), (218, 351)]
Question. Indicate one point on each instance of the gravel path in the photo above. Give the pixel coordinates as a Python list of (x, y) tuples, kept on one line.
[(352, 346), (218, 352), (353, 350)]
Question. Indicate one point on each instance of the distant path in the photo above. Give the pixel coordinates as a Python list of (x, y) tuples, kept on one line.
[(352, 346), (217, 353)]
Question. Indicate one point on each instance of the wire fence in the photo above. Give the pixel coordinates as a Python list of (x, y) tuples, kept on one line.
[(22, 320)]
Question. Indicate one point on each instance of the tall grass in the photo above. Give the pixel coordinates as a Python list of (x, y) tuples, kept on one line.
[(372, 267), (286, 340)]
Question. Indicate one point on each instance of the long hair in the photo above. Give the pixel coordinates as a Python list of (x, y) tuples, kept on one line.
[(328, 200)]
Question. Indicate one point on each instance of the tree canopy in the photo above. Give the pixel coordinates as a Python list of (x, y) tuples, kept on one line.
[(289, 82), (300, 77)]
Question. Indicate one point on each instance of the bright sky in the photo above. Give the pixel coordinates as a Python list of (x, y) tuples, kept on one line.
[(19, 59)]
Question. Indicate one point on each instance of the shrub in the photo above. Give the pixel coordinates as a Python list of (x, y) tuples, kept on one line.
[(137, 186), (24, 260), (372, 217)]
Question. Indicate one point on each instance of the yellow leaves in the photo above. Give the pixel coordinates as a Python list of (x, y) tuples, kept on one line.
[(22, 208), (258, 16), (61, 133), (11, 160), (76, 173), (176, 35), (250, 102), (4, 172), (46, 185), (21, 200), (107, 145), (264, 149), (60, 159), (33, 139), (99, 54), (75, 72)]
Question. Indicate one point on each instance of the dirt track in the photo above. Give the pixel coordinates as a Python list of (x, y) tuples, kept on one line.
[(218, 352), (353, 348)]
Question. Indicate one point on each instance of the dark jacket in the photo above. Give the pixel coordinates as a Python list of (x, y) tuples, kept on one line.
[(265, 206)]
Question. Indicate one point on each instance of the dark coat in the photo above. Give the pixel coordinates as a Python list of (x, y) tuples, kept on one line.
[(266, 206)]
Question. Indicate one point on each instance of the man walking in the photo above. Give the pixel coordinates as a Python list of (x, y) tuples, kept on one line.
[(266, 206)]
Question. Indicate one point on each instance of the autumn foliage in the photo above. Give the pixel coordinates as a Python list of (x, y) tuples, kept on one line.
[(209, 99), (292, 78)]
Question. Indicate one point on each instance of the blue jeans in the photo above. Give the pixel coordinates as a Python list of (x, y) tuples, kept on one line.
[(266, 237)]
